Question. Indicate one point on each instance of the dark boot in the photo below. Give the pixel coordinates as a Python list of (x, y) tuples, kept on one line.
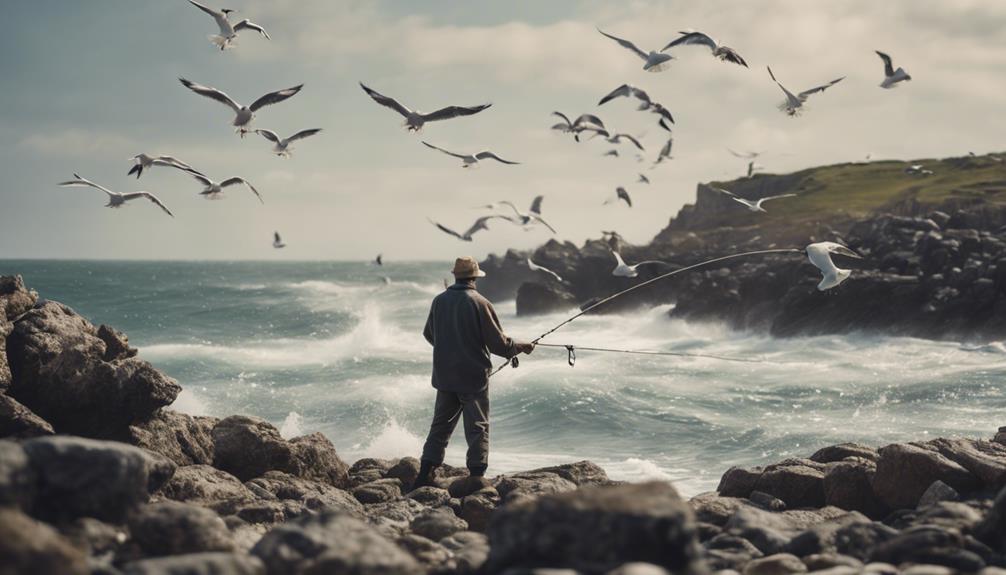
[(425, 476)]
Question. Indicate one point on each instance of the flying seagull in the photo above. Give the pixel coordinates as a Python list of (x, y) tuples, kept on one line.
[(379, 260), (414, 120), (652, 62), (471, 160), (479, 225), (665, 152), (533, 214), (725, 53), (620, 194), (583, 123), (745, 155), (115, 199), (623, 270), (277, 242), (625, 91), (754, 206), (819, 254), (612, 153), (537, 268), (243, 115), (793, 104), (892, 76), (228, 31), (617, 139), (214, 190), (751, 168), (282, 145), (143, 161), (643, 179)]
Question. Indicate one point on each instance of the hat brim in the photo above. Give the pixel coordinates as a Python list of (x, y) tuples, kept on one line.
[(478, 274)]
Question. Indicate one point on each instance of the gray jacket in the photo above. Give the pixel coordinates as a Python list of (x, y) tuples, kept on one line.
[(464, 329)]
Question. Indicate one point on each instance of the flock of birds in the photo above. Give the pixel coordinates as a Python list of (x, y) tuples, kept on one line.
[(585, 126)]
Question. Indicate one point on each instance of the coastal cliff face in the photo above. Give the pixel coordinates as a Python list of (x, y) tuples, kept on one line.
[(934, 255)]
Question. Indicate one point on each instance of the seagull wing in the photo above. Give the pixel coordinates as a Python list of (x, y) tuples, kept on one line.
[(888, 65), (665, 114), (149, 196), (172, 162), (510, 205), (692, 38), (304, 134), (488, 154), (843, 251), (665, 152), (429, 145), (805, 93), (536, 204), (538, 268), (220, 17), (276, 237), (453, 112), (386, 101), (211, 93), (542, 221), (776, 197), (564, 117), (631, 139), (663, 124), (205, 181), (269, 135), (589, 118), (446, 229), (789, 95), (624, 195), (274, 97), (237, 180), (249, 25), (79, 182), (722, 191), (626, 44), (622, 91)]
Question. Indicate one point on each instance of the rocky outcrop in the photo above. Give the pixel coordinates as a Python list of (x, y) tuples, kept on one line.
[(184, 439), (534, 298), (905, 471), (173, 528)]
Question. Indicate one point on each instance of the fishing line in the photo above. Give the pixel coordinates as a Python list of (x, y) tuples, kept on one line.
[(513, 360), (572, 349)]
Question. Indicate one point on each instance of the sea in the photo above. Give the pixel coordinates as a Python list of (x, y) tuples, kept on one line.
[(337, 347)]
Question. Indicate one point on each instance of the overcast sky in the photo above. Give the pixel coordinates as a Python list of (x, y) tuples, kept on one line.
[(89, 84)]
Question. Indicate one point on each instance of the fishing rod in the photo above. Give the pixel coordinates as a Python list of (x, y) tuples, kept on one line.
[(644, 284), (571, 350)]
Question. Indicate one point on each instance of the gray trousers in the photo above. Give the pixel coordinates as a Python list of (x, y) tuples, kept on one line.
[(450, 407)]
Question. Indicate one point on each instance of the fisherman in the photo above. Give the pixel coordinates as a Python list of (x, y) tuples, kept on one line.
[(463, 329)]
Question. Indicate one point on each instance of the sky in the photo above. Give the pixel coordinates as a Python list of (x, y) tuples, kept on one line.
[(88, 85)]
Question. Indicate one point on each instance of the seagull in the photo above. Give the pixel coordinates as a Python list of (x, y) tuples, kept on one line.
[(282, 145), (724, 53), (379, 260), (918, 170), (663, 124), (745, 155), (751, 168), (643, 179), (653, 62), (143, 162), (533, 214), (215, 190), (228, 31), (537, 268), (753, 206), (471, 160), (665, 152), (620, 194), (892, 76), (628, 90), (622, 270), (277, 242), (612, 153), (243, 114), (819, 254), (115, 199), (414, 120), (617, 139), (585, 122), (793, 104), (479, 225)]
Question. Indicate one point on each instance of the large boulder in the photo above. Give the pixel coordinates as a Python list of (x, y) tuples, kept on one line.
[(332, 542), (80, 477), (533, 484), (534, 298), (17, 477), (581, 473), (19, 422), (173, 528), (59, 372), (312, 494), (380, 491), (849, 484), (197, 564), (986, 460), (15, 299), (596, 529), (184, 439), (797, 482), (739, 481), (29, 546), (905, 471), (438, 523), (249, 446), (210, 487), (842, 451), (992, 529)]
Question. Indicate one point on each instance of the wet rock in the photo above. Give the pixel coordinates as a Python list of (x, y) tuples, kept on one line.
[(197, 564), (405, 471), (714, 509), (85, 477), (116, 344), (841, 451), (467, 485), (430, 554), (596, 529), (19, 422), (380, 491), (430, 496), (779, 564), (184, 439), (848, 484), (797, 484), (905, 471), (937, 492), (15, 298), (312, 494), (471, 551), (739, 481), (822, 561), (438, 523), (534, 298), (173, 528), (332, 542), (927, 545), (209, 487), (533, 484), (367, 470), (581, 473), (29, 546), (477, 508), (986, 460)]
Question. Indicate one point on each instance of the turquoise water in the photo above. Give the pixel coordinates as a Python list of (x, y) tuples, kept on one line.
[(337, 348)]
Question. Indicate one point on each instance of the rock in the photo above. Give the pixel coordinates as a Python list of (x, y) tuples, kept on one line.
[(581, 473), (116, 343), (331, 542), (316, 458), (471, 551), (312, 494), (714, 509), (822, 561), (927, 545), (209, 487), (436, 524), (905, 471), (639, 568), (430, 496), (477, 508), (986, 460), (367, 470), (467, 485), (858, 539), (739, 482), (5, 376), (949, 515), (841, 451), (766, 501), (58, 372), (534, 298), (173, 528), (29, 546), (726, 551), (17, 478), (937, 492), (533, 484), (380, 491), (96, 538), (798, 485), (430, 554), (405, 471), (392, 519), (1000, 436), (771, 532), (992, 529), (821, 537), (779, 564), (596, 529), (848, 484), (17, 421), (86, 477), (197, 564), (184, 439), (15, 299)]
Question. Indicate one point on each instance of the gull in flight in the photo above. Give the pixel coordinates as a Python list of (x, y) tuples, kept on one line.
[(612, 153), (228, 32), (918, 170), (623, 270), (753, 206), (793, 104), (471, 160), (143, 161), (414, 120), (652, 62), (620, 194), (243, 115), (891, 76), (282, 146), (214, 190), (643, 179), (751, 168), (626, 91), (277, 242), (725, 53), (665, 152), (819, 254), (617, 139), (479, 225), (115, 199), (379, 260), (537, 268), (532, 216), (584, 123), (745, 155)]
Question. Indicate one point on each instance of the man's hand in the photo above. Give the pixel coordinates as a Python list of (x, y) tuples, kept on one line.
[(525, 348)]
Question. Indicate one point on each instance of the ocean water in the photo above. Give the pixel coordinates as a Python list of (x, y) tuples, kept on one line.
[(337, 348)]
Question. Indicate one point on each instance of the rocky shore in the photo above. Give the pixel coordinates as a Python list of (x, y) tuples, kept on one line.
[(98, 475)]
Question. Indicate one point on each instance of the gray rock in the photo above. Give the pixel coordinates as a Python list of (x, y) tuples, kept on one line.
[(533, 484), (209, 487), (430, 554), (368, 469), (173, 528), (639, 568), (332, 542), (905, 471), (536, 298), (714, 509), (430, 496), (849, 484), (766, 501), (5, 376), (116, 343), (822, 561), (406, 471), (986, 460), (928, 545), (19, 422), (992, 529), (197, 564), (312, 494), (392, 519), (596, 529), (15, 298), (467, 485), (798, 485), (841, 451), (779, 564), (17, 477), (380, 491), (184, 439), (581, 473), (96, 538), (477, 508), (86, 477), (435, 524), (937, 492), (859, 539), (726, 551), (821, 538), (471, 551), (739, 481), (29, 546)]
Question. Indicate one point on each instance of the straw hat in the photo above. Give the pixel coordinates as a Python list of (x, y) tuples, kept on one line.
[(467, 267)]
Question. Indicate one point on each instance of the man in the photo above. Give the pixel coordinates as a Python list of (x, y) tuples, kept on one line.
[(463, 329)]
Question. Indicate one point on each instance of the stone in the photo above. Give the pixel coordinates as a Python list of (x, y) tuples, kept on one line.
[(596, 529), (435, 524), (905, 471), (779, 564), (15, 298), (380, 491), (174, 528), (726, 551), (477, 508), (207, 486), (405, 471), (532, 484), (86, 477), (116, 343), (834, 453), (848, 484), (17, 477), (332, 542), (639, 568), (368, 469), (714, 509), (821, 537), (581, 473), (986, 460), (937, 492), (29, 546), (858, 539), (739, 481), (927, 545), (430, 554), (797, 485), (5, 375), (19, 422), (822, 561), (467, 485), (312, 494), (470, 549), (182, 438), (536, 298), (992, 529), (430, 496), (766, 501), (96, 538), (197, 564)]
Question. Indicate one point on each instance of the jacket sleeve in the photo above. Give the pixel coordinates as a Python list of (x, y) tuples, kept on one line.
[(492, 332), (428, 330)]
